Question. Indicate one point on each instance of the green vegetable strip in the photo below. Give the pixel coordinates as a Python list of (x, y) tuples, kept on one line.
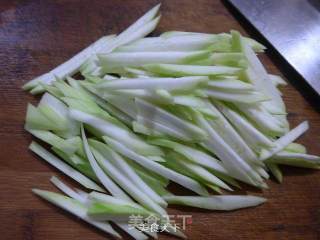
[(161, 116), (153, 166), (256, 46), (76, 208), (63, 167), (114, 212), (252, 97), (205, 175), (275, 170), (225, 203), (69, 67), (126, 36), (67, 190), (110, 62), (78, 162), (117, 161), (254, 138), (126, 184), (175, 70), (296, 160), (285, 140), (231, 137), (100, 197), (183, 83), (235, 165), (179, 43), (192, 154), (107, 128), (105, 180), (55, 141)]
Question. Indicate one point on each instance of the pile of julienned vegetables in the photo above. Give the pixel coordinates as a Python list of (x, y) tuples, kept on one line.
[(195, 109)]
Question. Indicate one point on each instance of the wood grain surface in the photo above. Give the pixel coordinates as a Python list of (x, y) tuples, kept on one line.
[(35, 36)]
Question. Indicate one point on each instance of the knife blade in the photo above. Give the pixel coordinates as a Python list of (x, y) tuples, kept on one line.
[(292, 28)]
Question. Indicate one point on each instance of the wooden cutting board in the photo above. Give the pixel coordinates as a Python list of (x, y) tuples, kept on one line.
[(35, 36)]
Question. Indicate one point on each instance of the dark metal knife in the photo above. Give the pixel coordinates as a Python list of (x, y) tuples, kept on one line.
[(293, 28)]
